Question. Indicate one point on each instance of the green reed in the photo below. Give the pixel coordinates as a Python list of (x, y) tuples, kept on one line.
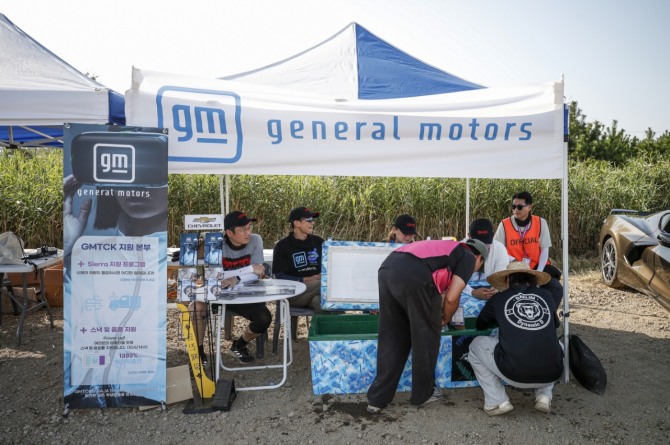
[(352, 208)]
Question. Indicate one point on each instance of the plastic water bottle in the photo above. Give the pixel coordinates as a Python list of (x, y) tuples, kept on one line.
[(458, 320)]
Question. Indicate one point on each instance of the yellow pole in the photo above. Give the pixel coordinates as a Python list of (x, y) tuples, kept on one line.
[(205, 385)]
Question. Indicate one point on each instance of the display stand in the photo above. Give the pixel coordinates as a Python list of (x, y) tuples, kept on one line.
[(211, 396)]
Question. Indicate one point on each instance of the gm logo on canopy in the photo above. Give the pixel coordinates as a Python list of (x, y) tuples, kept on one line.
[(204, 125), (113, 163)]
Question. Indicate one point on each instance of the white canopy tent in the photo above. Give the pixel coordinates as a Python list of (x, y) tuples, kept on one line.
[(39, 92), (355, 105)]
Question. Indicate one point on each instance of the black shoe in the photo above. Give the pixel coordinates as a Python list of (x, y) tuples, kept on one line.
[(241, 353), (203, 359)]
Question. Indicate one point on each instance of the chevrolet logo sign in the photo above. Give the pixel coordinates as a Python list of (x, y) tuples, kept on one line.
[(203, 222), (204, 219)]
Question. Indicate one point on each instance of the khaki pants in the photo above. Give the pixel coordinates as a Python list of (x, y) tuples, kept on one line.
[(311, 298)]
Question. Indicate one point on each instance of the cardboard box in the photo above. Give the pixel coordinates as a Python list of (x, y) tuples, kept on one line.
[(53, 285), (178, 387), (18, 292), (7, 307), (343, 353), (16, 279)]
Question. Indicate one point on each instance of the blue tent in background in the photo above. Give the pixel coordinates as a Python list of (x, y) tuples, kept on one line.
[(39, 92), (356, 64)]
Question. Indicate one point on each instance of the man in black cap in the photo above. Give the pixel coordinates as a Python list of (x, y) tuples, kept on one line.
[(298, 257), (242, 260), (403, 230)]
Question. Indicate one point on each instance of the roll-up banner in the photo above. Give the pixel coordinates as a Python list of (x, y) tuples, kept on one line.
[(115, 265)]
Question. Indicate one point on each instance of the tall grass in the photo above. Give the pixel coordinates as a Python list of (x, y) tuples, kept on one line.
[(31, 197), (352, 208)]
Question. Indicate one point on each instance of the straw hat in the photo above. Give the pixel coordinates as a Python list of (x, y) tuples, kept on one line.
[(499, 279)]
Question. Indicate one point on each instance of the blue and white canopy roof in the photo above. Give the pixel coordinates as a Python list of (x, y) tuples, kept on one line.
[(351, 105), (39, 92), (356, 64)]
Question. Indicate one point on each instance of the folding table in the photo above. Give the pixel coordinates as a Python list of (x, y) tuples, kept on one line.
[(36, 265), (284, 318)]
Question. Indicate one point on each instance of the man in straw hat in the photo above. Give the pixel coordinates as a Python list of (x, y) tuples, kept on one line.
[(526, 352), (420, 286)]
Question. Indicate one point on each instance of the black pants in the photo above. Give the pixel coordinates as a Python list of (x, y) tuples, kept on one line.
[(257, 313), (556, 289), (410, 318)]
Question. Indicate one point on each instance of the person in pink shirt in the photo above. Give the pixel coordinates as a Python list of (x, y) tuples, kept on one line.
[(420, 286)]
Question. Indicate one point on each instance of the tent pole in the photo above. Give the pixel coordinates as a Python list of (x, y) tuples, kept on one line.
[(467, 204), (223, 197), (564, 236), (227, 208)]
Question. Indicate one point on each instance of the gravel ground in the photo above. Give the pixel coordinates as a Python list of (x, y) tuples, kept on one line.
[(627, 330)]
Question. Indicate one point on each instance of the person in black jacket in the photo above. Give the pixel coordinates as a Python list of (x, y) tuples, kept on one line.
[(298, 258), (526, 352)]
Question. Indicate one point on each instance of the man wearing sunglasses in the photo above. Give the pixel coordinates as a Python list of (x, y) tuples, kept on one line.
[(298, 257), (526, 237)]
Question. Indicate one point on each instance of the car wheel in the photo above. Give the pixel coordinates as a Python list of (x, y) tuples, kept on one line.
[(609, 260)]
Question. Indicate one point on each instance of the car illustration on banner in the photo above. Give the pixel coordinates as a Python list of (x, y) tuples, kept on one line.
[(126, 302)]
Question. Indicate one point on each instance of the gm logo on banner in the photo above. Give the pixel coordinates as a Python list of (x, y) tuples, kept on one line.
[(204, 125), (113, 163)]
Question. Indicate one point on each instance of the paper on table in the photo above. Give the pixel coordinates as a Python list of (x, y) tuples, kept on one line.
[(254, 289)]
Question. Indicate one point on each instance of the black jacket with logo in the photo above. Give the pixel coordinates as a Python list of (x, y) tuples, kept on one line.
[(294, 259), (528, 350)]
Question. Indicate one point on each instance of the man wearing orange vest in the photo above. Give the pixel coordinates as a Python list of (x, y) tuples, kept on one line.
[(527, 239)]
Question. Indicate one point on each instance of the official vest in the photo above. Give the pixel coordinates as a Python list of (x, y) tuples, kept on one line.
[(527, 246)]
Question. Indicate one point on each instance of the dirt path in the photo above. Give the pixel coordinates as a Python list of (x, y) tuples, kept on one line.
[(629, 332)]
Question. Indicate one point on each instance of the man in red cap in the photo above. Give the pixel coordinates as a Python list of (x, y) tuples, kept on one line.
[(242, 254)]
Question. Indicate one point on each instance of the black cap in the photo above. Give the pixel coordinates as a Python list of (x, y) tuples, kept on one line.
[(236, 219), (482, 229), (300, 213), (480, 248), (406, 224)]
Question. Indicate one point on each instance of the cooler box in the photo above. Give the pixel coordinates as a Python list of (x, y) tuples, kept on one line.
[(343, 352), (343, 348)]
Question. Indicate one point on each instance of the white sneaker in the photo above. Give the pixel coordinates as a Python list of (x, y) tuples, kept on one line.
[(543, 404), (503, 408), (374, 409), (435, 397)]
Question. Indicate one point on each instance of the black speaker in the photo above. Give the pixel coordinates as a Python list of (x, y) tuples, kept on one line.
[(224, 394)]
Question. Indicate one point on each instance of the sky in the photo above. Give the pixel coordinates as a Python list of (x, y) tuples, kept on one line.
[(614, 56)]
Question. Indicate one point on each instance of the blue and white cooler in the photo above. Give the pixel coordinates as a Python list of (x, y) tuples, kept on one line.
[(343, 348)]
